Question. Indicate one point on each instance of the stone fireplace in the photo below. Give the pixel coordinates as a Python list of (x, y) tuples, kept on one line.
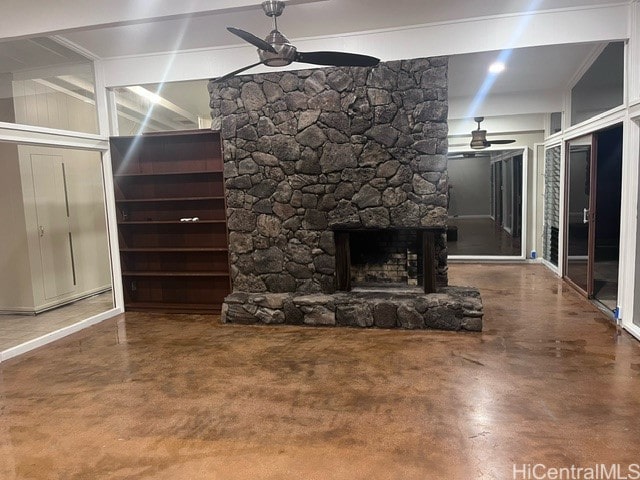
[(383, 257), (392, 257), (321, 165)]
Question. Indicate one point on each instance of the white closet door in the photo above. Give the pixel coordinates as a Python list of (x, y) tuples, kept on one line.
[(52, 210)]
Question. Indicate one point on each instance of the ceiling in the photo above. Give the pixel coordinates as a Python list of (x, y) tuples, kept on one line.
[(523, 73), (300, 20), (36, 53), (466, 75), (535, 69)]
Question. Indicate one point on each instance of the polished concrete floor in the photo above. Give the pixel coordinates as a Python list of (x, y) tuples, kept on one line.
[(482, 236), (550, 380), (605, 280)]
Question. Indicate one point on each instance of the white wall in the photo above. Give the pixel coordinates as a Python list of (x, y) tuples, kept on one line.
[(15, 278), (21, 279), (528, 106), (633, 72), (7, 113), (535, 225), (630, 270), (39, 105), (88, 219)]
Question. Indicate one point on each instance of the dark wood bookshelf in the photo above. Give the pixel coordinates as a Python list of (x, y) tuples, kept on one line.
[(175, 274), (169, 265), (172, 307)]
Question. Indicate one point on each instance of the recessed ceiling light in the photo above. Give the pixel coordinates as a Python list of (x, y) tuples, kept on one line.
[(496, 67)]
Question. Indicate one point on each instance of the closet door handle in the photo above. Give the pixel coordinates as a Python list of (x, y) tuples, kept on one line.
[(41, 230), (585, 215)]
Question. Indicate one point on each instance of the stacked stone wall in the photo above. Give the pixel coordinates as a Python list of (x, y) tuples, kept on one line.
[(310, 151)]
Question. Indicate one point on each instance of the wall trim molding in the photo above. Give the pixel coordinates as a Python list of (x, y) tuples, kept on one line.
[(34, 135)]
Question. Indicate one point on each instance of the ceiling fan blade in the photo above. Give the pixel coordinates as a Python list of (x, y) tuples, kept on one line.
[(456, 156), (500, 142), (235, 72), (337, 59), (252, 39)]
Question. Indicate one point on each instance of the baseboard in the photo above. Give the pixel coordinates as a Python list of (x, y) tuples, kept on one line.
[(633, 329), (57, 335), (54, 304)]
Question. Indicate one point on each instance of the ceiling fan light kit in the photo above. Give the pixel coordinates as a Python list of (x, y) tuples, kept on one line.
[(479, 137), (276, 50), (285, 53)]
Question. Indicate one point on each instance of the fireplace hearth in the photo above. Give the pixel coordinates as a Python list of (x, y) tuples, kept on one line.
[(336, 190)]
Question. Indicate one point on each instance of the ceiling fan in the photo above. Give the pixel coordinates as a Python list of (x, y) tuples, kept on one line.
[(479, 137), (454, 156), (276, 51)]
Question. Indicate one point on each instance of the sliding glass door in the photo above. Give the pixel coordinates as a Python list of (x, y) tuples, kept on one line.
[(594, 180)]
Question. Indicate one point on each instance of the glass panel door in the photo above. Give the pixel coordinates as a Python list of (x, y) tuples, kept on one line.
[(497, 166), (578, 214), (517, 196), (507, 190), (608, 150)]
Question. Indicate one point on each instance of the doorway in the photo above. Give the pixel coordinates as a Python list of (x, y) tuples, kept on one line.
[(55, 237), (486, 204), (55, 256), (592, 219)]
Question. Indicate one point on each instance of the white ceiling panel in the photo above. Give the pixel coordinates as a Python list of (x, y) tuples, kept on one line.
[(35, 53), (527, 69), (319, 18)]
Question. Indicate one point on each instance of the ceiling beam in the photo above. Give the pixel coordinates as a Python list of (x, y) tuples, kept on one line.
[(163, 102)]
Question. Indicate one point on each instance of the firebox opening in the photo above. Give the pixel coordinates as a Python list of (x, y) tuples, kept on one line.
[(385, 258)]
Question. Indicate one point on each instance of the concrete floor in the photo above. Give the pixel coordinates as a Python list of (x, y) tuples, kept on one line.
[(550, 381), (481, 236)]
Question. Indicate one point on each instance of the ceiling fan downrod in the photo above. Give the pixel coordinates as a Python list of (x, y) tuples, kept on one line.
[(273, 9)]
